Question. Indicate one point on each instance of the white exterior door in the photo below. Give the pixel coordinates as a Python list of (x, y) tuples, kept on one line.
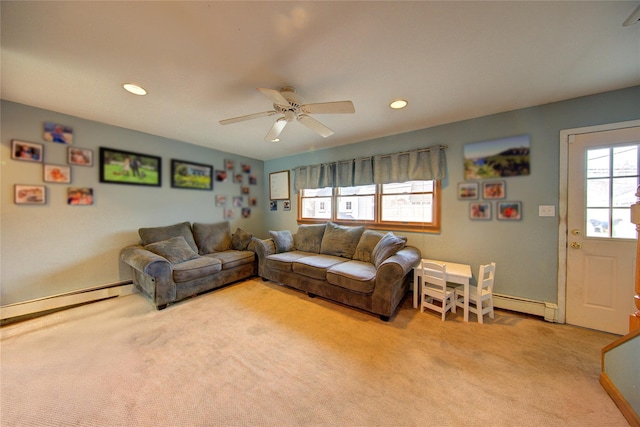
[(603, 178)]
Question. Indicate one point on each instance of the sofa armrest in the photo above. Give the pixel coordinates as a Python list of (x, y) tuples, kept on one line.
[(390, 277), (152, 273), (263, 248)]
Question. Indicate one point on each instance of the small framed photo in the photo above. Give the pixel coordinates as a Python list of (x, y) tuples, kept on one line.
[(28, 151), (253, 201), (229, 213), (221, 201), (510, 211), (494, 190), (195, 176), (80, 156), (57, 173), (221, 175), (246, 168), (237, 178), (480, 211), (244, 189), (286, 205), (468, 190), (30, 194), (238, 201), (253, 180), (273, 205), (229, 164), (246, 212), (80, 196), (54, 132)]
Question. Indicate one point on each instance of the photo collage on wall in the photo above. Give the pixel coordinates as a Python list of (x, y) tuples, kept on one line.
[(243, 201), (34, 152)]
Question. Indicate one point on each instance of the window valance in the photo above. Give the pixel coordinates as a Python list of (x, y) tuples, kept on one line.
[(415, 165)]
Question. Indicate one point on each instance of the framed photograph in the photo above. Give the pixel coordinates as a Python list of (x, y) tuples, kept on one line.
[(237, 178), (273, 205), (286, 205), (480, 211), (229, 164), (30, 194), (54, 132), (253, 180), (78, 196), (253, 201), (221, 201), (195, 176), (57, 173), (468, 190), (127, 167), (510, 211), (79, 156), (28, 151), (497, 158), (246, 212), (279, 185), (238, 201), (229, 213), (244, 190), (246, 168), (494, 190), (221, 175)]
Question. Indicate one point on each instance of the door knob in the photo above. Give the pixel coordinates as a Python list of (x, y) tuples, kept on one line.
[(576, 245)]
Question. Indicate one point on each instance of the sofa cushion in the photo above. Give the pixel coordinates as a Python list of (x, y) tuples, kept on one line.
[(157, 234), (367, 242), (195, 268), (387, 246), (175, 250), (233, 258), (356, 276), (283, 261), (308, 238), (283, 240), (315, 266), (212, 237), (340, 240), (240, 239)]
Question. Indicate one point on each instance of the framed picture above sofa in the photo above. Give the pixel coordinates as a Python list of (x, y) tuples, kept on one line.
[(126, 167), (196, 176)]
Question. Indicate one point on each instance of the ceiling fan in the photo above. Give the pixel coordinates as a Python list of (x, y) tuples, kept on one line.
[(292, 107)]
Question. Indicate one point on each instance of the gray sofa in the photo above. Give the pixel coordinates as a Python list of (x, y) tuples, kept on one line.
[(361, 268), (179, 261)]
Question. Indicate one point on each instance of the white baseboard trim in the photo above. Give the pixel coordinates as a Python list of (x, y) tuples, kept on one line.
[(522, 305), (65, 300)]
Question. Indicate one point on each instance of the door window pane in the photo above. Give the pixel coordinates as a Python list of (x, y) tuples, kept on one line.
[(622, 227), (598, 193), (597, 222), (598, 163), (624, 192), (625, 161)]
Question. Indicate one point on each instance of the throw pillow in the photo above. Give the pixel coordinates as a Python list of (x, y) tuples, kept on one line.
[(387, 246), (309, 237), (212, 237), (340, 240), (367, 243), (175, 250), (241, 239), (157, 234), (283, 240)]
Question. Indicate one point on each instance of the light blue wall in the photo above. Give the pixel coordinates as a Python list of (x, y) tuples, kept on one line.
[(525, 251), (47, 250)]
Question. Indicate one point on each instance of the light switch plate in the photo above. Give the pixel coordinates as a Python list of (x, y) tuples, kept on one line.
[(546, 210)]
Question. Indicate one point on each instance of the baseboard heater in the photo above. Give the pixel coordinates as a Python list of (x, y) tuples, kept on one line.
[(522, 305), (67, 299)]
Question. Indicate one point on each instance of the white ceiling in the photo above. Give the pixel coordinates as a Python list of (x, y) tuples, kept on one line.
[(201, 62)]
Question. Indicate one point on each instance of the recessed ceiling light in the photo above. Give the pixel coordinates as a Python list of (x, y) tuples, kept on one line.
[(134, 89), (398, 103)]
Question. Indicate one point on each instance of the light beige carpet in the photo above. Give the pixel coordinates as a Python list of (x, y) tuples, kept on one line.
[(258, 354)]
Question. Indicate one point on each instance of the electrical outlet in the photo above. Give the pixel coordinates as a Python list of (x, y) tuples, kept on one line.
[(546, 210)]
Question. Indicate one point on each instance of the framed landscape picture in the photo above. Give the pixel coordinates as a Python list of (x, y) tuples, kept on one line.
[(494, 190), (126, 167), (498, 158), (467, 190), (191, 175)]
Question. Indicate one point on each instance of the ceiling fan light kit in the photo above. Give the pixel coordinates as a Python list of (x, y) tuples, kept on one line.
[(134, 89), (291, 107), (398, 104)]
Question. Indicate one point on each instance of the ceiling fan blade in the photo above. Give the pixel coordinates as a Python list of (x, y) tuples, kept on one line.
[(247, 117), (276, 129), (275, 96), (315, 125), (338, 107)]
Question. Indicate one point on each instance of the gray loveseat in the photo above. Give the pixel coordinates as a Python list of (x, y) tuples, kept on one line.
[(350, 265), (179, 261)]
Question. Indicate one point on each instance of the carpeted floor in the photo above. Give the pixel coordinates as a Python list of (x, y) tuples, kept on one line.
[(258, 354)]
